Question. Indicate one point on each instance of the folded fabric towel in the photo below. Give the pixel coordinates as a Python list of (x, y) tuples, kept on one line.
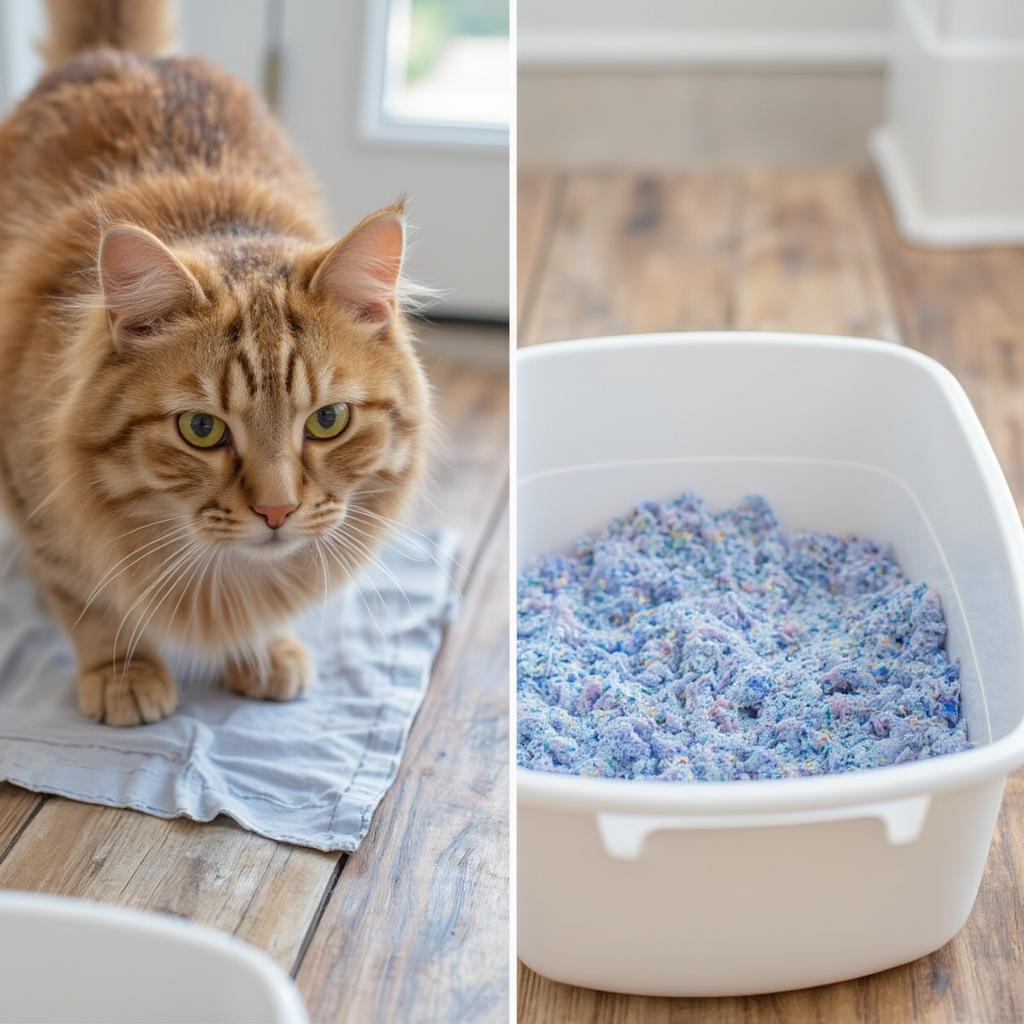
[(309, 772)]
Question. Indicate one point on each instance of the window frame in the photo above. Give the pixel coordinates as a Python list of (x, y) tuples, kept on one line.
[(374, 124)]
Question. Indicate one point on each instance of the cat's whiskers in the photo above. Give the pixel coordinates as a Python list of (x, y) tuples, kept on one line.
[(422, 494), (342, 533), (395, 621), (360, 493), (422, 549), (215, 594), (139, 554), (323, 569), (168, 535), (158, 599), (383, 540), (396, 525), (341, 556), (386, 543), (201, 567), (147, 310), (148, 526), (218, 551), (425, 496), (344, 544), (175, 561), (226, 594), (232, 595), (46, 501)]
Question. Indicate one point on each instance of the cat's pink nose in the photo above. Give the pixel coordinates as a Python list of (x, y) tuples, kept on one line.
[(275, 515)]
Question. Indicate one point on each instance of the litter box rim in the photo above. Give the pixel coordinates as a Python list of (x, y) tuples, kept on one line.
[(554, 791)]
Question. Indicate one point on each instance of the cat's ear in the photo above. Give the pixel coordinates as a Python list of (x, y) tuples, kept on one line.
[(143, 282), (361, 272)]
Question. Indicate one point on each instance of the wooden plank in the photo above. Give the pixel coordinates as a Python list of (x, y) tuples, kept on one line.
[(216, 873), (16, 809), (470, 467), (817, 251), (807, 259), (538, 196), (966, 309), (634, 253), (416, 929), (963, 307)]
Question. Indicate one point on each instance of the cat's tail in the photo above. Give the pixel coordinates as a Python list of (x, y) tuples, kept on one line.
[(142, 26)]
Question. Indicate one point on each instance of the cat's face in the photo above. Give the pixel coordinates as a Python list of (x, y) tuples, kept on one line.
[(256, 400)]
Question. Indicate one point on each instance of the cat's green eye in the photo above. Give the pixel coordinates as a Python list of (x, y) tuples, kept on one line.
[(328, 421), (202, 429)]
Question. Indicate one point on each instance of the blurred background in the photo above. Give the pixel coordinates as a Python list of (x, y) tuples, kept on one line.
[(933, 87), (380, 97), (700, 81)]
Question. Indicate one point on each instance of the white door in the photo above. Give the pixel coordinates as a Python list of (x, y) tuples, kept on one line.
[(383, 98)]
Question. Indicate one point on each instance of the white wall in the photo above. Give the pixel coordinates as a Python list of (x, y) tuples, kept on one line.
[(231, 32), (794, 33), (705, 15), (458, 196), (673, 83), (22, 24), (975, 20), (951, 150), (228, 31)]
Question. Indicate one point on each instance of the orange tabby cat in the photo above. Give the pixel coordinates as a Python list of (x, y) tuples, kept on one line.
[(207, 412)]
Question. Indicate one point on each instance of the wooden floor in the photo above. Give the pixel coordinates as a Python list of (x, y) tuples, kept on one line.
[(806, 251), (412, 927)]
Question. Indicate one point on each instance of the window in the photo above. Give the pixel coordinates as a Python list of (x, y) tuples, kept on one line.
[(438, 71)]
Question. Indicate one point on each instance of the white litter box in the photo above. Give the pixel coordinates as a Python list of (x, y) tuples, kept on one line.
[(66, 960), (670, 888)]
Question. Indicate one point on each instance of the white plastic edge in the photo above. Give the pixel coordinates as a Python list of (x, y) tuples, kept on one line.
[(624, 835), (918, 226), (288, 1005), (545, 790), (376, 127)]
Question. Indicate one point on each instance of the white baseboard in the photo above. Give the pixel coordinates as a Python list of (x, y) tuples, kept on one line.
[(640, 51), (950, 151), (916, 224)]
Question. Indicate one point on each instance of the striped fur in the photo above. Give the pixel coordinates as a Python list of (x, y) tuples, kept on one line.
[(137, 538)]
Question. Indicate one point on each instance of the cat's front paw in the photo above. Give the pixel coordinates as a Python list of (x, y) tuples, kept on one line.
[(127, 695), (285, 672)]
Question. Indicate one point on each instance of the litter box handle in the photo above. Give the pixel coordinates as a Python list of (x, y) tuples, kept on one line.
[(624, 835)]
